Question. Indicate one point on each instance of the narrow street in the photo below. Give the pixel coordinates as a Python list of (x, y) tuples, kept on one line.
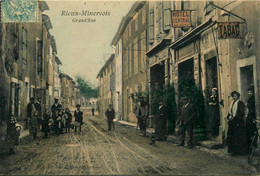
[(96, 151)]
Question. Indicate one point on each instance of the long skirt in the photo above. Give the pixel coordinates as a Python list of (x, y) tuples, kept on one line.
[(237, 137)]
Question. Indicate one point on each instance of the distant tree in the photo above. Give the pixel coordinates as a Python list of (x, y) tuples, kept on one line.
[(86, 90)]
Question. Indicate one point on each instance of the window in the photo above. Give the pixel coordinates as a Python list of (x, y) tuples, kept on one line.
[(166, 15), (24, 46), (185, 5), (136, 24), (130, 60), (143, 51), (151, 26), (39, 56), (130, 30), (135, 56), (158, 21), (143, 17)]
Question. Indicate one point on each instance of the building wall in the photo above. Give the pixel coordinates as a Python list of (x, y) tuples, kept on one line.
[(232, 56), (118, 79), (134, 60)]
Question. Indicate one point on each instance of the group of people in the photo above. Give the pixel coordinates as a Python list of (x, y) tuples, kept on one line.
[(57, 120), (241, 124), (241, 121)]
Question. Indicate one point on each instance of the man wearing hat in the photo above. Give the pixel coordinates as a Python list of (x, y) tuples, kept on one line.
[(78, 114), (187, 121), (56, 106)]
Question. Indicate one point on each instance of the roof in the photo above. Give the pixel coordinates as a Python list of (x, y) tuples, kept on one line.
[(46, 21), (65, 75), (57, 60), (125, 21), (110, 59), (53, 44), (43, 6)]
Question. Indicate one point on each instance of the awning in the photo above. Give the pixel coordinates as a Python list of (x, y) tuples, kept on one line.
[(193, 33), (158, 47)]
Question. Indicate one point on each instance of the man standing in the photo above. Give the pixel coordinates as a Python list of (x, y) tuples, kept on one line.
[(78, 114), (93, 111), (187, 121), (142, 114), (110, 114), (251, 116), (56, 106), (38, 107), (29, 112), (160, 122)]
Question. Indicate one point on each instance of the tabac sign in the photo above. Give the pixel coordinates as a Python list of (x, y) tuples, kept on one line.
[(229, 30), (181, 18)]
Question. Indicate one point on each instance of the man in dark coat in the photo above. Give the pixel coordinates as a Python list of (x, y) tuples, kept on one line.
[(56, 106), (237, 135), (187, 121), (251, 116), (142, 115), (93, 111), (29, 112), (38, 107), (78, 114), (110, 114), (161, 122)]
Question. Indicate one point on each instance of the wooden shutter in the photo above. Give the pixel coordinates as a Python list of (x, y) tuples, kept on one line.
[(151, 26), (159, 20), (166, 15)]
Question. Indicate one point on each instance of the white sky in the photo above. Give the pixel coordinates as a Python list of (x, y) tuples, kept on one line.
[(83, 48)]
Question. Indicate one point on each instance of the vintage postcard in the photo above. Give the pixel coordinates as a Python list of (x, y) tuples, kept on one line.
[(129, 87)]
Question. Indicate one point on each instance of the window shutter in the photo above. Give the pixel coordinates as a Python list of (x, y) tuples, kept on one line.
[(166, 15), (159, 21), (151, 26)]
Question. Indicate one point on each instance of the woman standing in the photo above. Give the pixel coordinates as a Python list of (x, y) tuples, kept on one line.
[(237, 135)]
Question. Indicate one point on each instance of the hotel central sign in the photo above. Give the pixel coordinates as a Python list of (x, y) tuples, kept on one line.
[(181, 18)]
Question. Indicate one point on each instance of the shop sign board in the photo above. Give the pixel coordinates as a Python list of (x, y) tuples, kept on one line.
[(181, 18), (229, 30)]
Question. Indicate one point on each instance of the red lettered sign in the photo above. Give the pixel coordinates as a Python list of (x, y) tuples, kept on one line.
[(181, 18), (228, 30)]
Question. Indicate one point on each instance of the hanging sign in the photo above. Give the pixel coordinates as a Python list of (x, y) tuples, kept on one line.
[(228, 30), (181, 18)]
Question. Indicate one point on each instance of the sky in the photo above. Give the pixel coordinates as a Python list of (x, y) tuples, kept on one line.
[(84, 47)]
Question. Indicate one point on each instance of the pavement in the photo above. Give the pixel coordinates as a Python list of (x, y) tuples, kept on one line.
[(210, 146)]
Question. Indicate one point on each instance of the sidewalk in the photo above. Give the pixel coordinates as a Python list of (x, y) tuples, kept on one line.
[(209, 146)]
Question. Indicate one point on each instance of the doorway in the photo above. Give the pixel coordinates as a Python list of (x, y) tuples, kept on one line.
[(185, 75), (247, 80)]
